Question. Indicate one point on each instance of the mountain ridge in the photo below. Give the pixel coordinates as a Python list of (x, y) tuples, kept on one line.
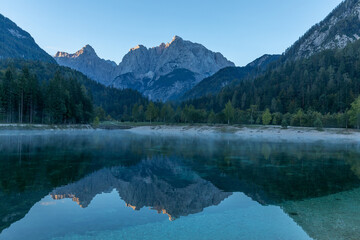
[(339, 28), (141, 67)]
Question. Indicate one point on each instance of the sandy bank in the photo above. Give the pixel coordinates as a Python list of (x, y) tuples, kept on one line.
[(268, 133)]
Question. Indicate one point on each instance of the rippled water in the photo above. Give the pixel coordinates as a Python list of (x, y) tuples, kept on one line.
[(118, 185)]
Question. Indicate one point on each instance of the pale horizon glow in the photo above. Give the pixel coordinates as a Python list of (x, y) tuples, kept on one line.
[(241, 30)]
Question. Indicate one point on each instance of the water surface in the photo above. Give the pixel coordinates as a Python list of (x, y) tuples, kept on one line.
[(118, 185)]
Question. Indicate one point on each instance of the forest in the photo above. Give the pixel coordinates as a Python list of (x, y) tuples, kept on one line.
[(320, 91), (40, 92), (24, 99), (325, 85)]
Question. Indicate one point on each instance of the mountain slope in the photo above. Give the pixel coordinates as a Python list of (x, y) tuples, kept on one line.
[(229, 75), (87, 62), (18, 44), (339, 28), (142, 67), (327, 82)]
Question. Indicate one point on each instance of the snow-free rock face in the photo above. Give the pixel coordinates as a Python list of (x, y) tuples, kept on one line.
[(87, 62), (160, 183), (142, 67), (16, 43), (339, 28)]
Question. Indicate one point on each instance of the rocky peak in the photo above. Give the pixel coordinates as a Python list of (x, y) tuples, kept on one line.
[(87, 50), (87, 61), (138, 47), (176, 39)]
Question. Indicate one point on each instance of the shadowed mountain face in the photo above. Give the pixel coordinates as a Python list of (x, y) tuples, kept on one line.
[(176, 176), (182, 63), (18, 44), (230, 76)]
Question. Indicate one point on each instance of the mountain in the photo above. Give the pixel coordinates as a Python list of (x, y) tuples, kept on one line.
[(339, 28), (229, 75), (87, 61), (145, 69), (18, 44)]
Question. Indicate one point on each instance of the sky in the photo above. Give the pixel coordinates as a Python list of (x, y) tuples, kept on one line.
[(242, 30)]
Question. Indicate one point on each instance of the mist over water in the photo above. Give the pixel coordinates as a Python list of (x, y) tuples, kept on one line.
[(116, 185)]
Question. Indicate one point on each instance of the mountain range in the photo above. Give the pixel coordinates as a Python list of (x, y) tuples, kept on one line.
[(181, 69), (161, 73)]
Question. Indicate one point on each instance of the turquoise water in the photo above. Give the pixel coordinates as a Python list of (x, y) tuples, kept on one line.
[(118, 185)]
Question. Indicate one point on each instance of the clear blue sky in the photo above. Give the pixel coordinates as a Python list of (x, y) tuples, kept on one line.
[(241, 30)]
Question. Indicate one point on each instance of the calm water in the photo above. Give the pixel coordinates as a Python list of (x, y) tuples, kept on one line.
[(117, 185)]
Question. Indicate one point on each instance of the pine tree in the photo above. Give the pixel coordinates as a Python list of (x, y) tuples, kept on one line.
[(151, 112)]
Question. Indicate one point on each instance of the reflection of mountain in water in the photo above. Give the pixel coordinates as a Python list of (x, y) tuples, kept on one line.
[(160, 183)]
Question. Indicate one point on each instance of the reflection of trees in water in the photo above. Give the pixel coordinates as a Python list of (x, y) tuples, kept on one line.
[(274, 172), (353, 159)]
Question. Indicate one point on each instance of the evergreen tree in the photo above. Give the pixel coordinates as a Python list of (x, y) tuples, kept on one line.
[(212, 117), (151, 112), (166, 112)]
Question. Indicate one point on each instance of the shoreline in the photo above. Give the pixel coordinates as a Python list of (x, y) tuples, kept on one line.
[(267, 133), (20, 126), (247, 132)]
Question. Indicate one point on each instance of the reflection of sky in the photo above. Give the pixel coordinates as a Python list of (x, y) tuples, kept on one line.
[(108, 218)]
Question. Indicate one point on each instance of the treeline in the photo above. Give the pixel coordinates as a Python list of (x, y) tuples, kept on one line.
[(117, 104), (24, 99), (168, 113)]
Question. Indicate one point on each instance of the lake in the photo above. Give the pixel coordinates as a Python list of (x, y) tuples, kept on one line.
[(88, 184)]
